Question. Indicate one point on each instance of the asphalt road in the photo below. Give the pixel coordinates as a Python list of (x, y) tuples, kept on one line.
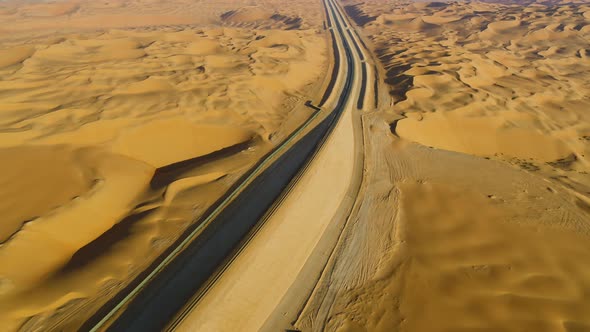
[(155, 297)]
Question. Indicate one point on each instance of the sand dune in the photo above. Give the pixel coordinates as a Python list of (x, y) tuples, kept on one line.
[(115, 139), (506, 72), (21, 20), (482, 136), (161, 143), (47, 169), (247, 14)]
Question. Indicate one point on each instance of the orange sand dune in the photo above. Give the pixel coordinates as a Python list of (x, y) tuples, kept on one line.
[(115, 140)]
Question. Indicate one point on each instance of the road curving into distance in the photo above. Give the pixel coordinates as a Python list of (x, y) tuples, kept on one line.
[(167, 292), (267, 283)]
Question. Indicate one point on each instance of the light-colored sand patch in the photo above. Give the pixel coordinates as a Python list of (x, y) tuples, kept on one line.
[(50, 9), (223, 62), (55, 174), (59, 232), (418, 24), (440, 19), (64, 52), (482, 136), (123, 49), (465, 267), (44, 18), (188, 183), (91, 51), (15, 112), (248, 14), (501, 26), (384, 18), (149, 85), (203, 47), (15, 55), (164, 142)]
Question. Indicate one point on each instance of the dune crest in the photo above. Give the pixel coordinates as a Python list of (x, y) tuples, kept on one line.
[(161, 143)]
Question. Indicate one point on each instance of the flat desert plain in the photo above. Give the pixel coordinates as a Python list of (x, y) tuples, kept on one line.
[(121, 122), (475, 212)]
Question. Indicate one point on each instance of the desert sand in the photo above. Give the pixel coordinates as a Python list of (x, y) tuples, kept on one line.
[(121, 123), (475, 207)]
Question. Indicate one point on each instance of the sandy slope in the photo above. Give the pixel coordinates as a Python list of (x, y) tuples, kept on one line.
[(446, 241), (114, 141), (475, 213)]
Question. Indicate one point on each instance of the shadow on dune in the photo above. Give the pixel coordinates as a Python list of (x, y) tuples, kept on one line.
[(170, 173)]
